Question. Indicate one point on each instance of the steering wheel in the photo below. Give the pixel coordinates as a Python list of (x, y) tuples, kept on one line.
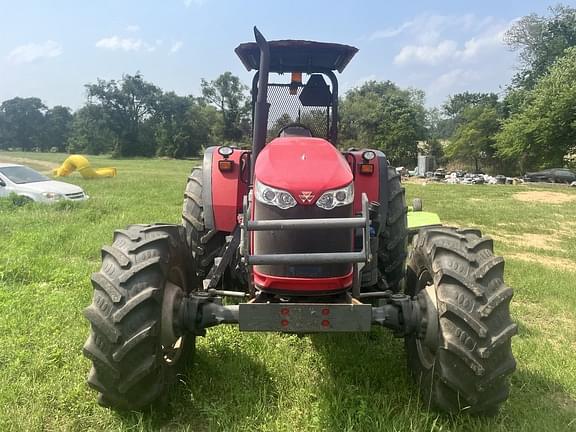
[(295, 129)]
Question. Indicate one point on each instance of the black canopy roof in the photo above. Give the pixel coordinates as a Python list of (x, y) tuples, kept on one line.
[(298, 55)]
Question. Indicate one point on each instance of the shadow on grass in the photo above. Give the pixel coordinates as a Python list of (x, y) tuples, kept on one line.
[(218, 390), (368, 387), (541, 402), (365, 386)]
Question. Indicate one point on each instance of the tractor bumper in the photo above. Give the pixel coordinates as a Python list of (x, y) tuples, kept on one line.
[(304, 317), (398, 313)]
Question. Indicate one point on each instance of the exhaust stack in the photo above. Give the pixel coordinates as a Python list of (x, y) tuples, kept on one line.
[(262, 107)]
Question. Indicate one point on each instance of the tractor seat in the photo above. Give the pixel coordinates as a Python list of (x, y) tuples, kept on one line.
[(295, 130)]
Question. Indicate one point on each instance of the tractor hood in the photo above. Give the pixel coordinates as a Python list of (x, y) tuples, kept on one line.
[(302, 164)]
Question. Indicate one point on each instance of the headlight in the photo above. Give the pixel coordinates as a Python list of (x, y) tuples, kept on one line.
[(52, 196), (336, 197), (271, 196), (368, 155)]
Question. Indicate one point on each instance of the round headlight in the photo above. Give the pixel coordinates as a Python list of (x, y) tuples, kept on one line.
[(286, 200), (269, 195), (225, 151), (368, 155)]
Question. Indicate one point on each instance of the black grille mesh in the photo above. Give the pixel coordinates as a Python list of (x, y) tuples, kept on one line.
[(285, 108)]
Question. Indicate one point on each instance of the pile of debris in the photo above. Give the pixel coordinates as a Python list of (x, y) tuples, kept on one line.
[(557, 175), (462, 177)]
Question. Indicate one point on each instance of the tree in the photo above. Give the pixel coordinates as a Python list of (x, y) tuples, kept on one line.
[(438, 125), (474, 120), (475, 138), (90, 131), (543, 131), (381, 115), (183, 126), (456, 104), (541, 41), (57, 128), (228, 95), (284, 120), (128, 104), (22, 123)]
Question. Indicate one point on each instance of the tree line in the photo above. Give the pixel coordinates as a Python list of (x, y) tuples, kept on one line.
[(130, 117), (533, 125)]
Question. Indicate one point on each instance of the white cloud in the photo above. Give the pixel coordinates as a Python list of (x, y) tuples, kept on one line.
[(446, 54), (427, 54), (480, 44), (132, 28), (447, 79), (118, 43), (34, 51), (176, 46), (454, 81), (473, 49), (427, 28), (391, 32)]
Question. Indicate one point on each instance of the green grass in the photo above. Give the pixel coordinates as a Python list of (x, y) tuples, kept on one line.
[(269, 382)]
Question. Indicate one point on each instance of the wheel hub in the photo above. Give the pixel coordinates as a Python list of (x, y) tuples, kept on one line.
[(428, 342), (170, 336)]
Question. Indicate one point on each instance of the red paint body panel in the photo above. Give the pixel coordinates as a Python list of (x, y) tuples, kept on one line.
[(302, 164), (287, 284), (368, 184), (295, 164), (227, 192)]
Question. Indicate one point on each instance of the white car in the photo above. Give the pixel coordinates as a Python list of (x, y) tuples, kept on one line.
[(30, 184)]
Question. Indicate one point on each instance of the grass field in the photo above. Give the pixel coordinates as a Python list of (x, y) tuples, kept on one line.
[(271, 382)]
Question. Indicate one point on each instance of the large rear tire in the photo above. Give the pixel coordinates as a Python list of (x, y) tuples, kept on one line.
[(394, 237), (392, 244), (134, 346), (463, 361), (204, 245)]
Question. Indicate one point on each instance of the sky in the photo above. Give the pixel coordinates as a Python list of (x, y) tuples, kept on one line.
[(51, 49)]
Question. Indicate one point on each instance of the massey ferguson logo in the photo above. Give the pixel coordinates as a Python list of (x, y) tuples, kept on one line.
[(306, 197)]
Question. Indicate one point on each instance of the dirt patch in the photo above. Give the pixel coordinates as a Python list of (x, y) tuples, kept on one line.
[(538, 241), (544, 197), (553, 262), (32, 163)]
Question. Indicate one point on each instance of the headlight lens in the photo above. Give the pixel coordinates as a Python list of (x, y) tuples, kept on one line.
[(271, 196), (52, 195), (336, 197), (368, 155)]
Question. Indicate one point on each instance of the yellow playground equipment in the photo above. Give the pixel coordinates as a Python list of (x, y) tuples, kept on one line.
[(82, 165)]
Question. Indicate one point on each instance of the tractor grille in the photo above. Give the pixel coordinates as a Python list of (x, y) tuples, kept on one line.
[(302, 241), (75, 196), (286, 108)]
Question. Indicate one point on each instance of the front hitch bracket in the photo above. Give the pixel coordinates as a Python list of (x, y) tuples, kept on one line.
[(398, 312)]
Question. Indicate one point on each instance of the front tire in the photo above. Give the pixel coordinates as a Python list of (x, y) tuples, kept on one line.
[(463, 361), (134, 346)]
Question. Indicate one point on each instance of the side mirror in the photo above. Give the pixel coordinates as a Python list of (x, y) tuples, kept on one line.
[(2, 183)]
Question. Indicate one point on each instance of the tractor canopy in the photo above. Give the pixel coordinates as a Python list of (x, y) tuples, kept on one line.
[(292, 100), (298, 55)]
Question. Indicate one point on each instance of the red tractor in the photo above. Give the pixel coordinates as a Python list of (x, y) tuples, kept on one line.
[(306, 238)]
